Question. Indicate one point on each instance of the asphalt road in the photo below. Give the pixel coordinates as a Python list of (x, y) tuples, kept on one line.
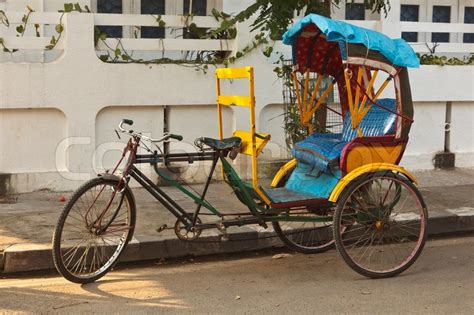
[(440, 282)]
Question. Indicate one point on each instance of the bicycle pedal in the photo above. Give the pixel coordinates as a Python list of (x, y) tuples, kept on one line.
[(162, 228)]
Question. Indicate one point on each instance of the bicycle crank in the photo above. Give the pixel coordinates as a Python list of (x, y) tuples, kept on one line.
[(187, 233)]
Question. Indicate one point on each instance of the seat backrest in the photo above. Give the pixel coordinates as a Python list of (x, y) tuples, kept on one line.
[(377, 121)]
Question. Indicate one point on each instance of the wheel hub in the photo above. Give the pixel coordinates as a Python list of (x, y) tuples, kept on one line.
[(379, 225)]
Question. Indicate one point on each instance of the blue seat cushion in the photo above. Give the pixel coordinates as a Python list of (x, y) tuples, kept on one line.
[(377, 121), (319, 150)]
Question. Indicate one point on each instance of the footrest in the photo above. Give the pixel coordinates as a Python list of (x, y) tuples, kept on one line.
[(285, 198)]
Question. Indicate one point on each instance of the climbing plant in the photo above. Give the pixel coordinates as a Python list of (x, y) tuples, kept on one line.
[(431, 59), (274, 16), (200, 60), (21, 29)]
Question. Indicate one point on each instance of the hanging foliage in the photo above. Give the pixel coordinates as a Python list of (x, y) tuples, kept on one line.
[(274, 16)]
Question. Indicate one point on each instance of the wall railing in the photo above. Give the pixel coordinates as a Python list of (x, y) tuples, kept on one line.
[(172, 42)]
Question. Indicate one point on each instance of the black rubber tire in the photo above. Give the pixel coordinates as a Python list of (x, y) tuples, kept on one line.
[(58, 262), (337, 227), (285, 237), (297, 247)]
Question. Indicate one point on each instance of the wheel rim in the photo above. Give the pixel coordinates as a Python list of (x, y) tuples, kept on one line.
[(308, 235), (387, 222), (87, 249)]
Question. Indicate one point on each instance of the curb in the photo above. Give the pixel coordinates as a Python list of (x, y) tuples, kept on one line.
[(34, 257)]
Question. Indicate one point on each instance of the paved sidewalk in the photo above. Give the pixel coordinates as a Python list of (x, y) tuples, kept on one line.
[(27, 222)]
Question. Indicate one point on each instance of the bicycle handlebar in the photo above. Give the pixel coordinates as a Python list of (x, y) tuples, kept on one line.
[(127, 121), (176, 137), (165, 137)]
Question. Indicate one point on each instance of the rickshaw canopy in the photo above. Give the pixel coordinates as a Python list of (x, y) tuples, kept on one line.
[(397, 51)]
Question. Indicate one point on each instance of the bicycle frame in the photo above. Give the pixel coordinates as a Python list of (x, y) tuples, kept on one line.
[(257, 214)]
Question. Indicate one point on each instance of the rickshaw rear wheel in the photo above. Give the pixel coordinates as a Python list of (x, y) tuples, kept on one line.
[(306, 237), (388, 219), (321, 236)]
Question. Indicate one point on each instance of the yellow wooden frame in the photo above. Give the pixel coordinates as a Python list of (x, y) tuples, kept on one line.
[(306, 105), (252, 143), (358, 111)]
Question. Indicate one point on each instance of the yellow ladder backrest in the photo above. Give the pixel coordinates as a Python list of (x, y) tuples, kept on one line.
[(252, 143)]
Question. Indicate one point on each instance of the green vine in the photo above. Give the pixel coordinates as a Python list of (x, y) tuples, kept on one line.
[(59, 28), (272, 17), (21, 29), (431, 59), (199, 60)]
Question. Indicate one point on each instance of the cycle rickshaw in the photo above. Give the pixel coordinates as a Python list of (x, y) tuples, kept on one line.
[(343, 188)]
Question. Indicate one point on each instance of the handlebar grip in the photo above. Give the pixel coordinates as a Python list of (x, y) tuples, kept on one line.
[(176, 137), (128, 121)]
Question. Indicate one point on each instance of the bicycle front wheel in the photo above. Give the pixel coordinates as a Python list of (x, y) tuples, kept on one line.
[(388, 218), (93, 230)]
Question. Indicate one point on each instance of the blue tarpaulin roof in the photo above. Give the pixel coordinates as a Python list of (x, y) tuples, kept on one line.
[(396, 51)]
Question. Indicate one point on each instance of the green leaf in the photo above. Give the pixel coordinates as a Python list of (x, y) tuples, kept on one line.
[(125, 57), (53, 40), (232, 33), (4, 19), (162, 23), (86, 7), (268, 51), (59, 28), (104, 58), (68, 7), (216, 14), (77, 7), (103, 36), (226, 24), (20, 29), (49, 47), (117, 52)]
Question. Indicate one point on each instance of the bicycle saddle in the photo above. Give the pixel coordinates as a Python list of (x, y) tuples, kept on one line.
[(224, 144)]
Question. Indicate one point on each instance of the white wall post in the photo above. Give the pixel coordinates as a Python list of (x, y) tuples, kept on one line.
[(390, 24)]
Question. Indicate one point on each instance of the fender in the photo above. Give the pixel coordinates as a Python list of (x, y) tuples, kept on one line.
[(282, 172), (109, 176), (117, 178), (368, 168)]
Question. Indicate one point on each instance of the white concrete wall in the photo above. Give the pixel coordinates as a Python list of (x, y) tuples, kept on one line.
[(58, 118), (462, 133)]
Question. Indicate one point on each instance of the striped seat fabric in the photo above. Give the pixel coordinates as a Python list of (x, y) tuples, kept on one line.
[(321, 151)]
